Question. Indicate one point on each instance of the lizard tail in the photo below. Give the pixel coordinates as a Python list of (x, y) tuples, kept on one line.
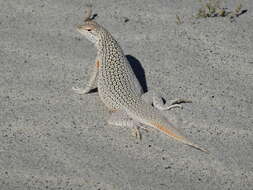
[(177, 136), (148, 115)]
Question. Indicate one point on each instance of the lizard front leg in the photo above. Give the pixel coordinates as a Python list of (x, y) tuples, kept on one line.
[(92, 83)]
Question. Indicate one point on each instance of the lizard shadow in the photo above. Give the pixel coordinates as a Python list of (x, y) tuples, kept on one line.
[(138, 71)]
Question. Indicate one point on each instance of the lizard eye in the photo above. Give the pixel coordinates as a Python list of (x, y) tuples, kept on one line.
[(89, 29)]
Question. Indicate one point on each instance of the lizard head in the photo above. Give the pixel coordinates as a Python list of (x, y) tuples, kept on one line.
[(90, 29)]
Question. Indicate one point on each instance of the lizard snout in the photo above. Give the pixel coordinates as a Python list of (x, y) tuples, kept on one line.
[(79, 27)]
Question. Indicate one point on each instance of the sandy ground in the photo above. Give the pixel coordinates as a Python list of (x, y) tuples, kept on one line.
[(52, 138)]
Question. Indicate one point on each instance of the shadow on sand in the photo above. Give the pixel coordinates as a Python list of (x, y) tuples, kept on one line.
[(138, 71)]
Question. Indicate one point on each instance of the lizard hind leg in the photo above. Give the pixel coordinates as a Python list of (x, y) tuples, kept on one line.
[(157, 101), (120, 118)]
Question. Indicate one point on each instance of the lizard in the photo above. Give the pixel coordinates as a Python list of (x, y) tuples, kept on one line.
[(119, 88)]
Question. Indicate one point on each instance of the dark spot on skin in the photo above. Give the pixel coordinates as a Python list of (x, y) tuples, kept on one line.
[(167, 167)]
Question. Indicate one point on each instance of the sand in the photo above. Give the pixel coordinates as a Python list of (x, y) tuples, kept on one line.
[(52, 138)]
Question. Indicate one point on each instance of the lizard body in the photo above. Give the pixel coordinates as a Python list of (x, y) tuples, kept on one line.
[(119, 88)]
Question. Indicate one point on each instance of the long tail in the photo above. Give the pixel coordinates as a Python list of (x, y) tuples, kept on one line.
[(148, 115), (177, 136)]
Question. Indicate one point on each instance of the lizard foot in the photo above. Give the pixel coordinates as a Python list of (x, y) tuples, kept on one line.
[(80, 91), (170, 105)]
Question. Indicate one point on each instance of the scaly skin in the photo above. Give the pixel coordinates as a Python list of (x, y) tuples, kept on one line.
[(117, 85)]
